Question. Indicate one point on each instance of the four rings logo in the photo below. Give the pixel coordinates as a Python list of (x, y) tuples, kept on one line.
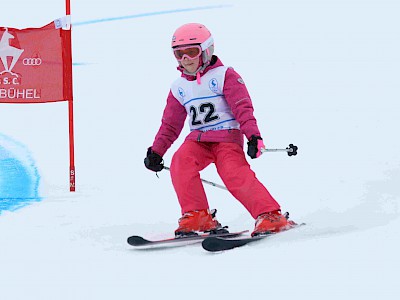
[(32, 61)]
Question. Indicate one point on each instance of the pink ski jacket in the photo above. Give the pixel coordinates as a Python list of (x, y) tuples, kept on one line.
[(238, 99)]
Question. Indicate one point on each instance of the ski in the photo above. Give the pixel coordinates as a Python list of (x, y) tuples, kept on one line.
[(216, 244), (142, 243)]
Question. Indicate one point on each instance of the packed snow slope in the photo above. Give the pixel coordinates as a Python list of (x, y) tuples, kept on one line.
[(323, 75)]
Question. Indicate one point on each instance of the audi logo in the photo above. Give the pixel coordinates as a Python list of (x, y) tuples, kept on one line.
[(32, 61)]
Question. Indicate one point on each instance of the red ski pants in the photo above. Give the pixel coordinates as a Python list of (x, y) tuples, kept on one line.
[(232, 167)]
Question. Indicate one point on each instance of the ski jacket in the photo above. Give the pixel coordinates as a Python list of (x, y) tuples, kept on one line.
[(219, 108)]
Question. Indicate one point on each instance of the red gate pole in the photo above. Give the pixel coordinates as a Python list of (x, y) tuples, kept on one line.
[(70, 111), (68, 7)]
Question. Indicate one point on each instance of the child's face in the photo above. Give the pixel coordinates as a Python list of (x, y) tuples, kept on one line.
[(190, 65)]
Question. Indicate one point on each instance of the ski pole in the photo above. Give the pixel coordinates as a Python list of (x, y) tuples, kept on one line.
[(206, 181), (291, 150)]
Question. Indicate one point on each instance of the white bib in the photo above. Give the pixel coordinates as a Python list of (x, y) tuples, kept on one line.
[(205, 103)]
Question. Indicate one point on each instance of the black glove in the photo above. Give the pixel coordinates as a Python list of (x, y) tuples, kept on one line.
[(153, 161), (254, 146)]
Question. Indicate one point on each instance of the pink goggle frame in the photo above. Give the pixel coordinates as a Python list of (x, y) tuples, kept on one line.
[(191, 52)]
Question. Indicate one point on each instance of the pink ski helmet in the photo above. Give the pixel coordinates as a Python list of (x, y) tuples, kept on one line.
[(197, 34)]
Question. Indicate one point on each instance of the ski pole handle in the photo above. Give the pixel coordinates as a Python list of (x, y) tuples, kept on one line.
[(205, 181), (291, 150)]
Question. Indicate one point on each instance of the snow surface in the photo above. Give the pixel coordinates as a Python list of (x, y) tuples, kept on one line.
[(323, 75)]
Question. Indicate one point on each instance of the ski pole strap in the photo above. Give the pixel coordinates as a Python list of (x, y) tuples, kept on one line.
[(206, 181), (291, 150)]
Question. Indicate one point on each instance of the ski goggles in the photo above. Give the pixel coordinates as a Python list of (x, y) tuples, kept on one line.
[(191, 52)]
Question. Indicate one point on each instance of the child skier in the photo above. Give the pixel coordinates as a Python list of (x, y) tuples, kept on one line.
[(220, 112)]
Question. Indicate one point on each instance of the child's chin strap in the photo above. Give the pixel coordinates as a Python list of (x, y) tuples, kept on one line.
[(198, 78)]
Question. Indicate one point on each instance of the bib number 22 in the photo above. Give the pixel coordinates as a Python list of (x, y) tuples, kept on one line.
[(207, 110)]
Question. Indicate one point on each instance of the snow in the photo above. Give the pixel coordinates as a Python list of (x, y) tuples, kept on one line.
[(323, 75)]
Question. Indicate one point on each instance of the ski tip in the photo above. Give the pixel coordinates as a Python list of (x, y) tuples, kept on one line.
[(137, 241), (211, 244)]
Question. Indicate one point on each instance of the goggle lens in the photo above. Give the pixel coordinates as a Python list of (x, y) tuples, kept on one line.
[(190, 52)]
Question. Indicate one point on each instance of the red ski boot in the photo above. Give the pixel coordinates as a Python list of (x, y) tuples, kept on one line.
[(198, 221), (272, 222)]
